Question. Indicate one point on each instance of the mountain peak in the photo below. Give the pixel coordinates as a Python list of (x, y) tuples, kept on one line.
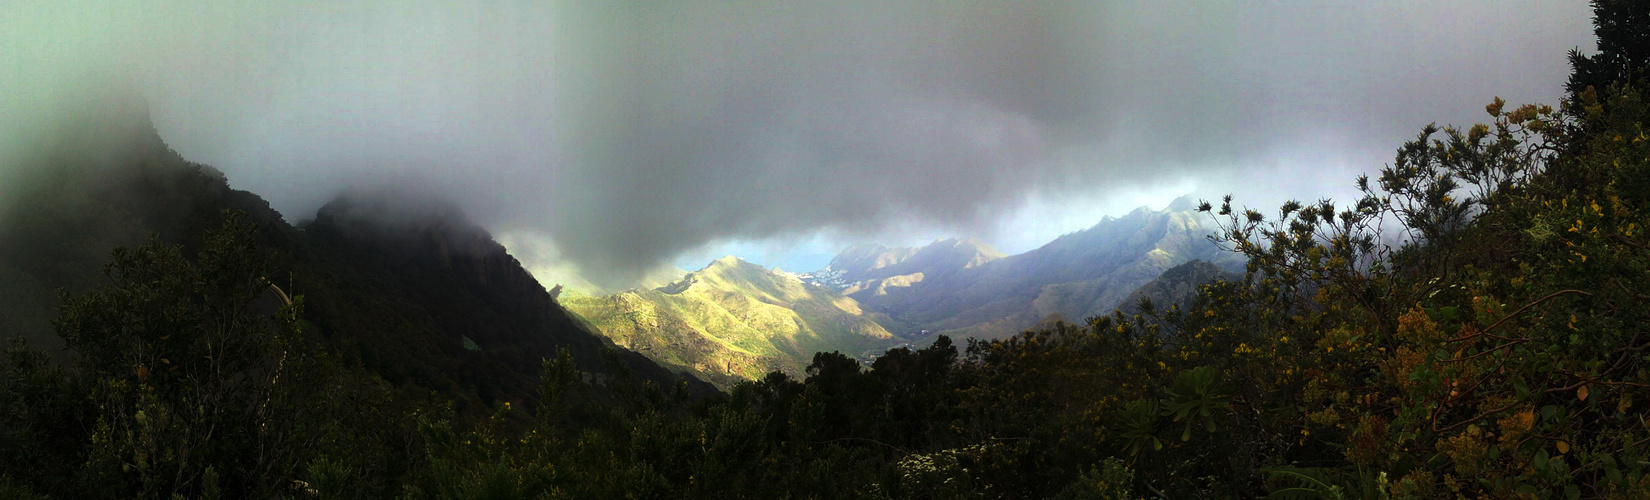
[(1184, 203), (967, 241)]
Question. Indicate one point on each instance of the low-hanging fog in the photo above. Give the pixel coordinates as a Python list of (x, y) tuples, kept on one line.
[(609, 138)]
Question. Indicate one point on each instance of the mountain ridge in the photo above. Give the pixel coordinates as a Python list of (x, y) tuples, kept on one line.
[(1078, 274), (734, 320)]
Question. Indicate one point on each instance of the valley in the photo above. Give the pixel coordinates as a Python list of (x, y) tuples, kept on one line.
[(734, 320)]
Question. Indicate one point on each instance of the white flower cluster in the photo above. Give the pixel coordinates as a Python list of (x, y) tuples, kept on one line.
[(947, 464)]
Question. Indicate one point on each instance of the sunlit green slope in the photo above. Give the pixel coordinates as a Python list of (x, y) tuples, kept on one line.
[(733, 320)]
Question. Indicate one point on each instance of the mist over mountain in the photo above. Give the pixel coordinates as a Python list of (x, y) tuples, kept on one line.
[(404, 286), (976, 293), (866, 267), (103, 179), (631, 133)]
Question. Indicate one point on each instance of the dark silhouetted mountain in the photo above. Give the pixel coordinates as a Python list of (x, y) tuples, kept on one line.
[(105, 179), (416, 294)]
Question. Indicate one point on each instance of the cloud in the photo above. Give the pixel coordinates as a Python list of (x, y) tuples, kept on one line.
[(632, 132)]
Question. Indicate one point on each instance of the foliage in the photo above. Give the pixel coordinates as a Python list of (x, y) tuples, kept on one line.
[(193, 379)]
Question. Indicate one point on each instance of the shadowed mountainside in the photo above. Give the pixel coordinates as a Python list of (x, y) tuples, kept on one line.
[(421, 297)]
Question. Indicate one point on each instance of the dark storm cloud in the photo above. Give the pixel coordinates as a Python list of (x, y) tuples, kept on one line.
[(745, 119), (633, 131)]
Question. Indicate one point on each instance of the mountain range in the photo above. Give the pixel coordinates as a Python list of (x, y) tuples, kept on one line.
[(429, 301), (1076, 276), (735, 320)]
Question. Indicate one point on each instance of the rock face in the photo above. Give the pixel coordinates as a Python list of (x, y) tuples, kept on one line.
[(734, 320)]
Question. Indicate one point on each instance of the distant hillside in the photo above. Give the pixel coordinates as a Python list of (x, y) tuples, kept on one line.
[(867, 272), (422, 298), (860, 267), (733, 320), (1073, 277)]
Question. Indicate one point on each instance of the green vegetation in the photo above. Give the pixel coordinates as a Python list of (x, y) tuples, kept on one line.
[(732, 321), (1499, 353)]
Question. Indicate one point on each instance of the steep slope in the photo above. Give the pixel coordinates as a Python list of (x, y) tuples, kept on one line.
[(733, 320), (424, 297), (404, 295), (1075, 276), (1177, 286)]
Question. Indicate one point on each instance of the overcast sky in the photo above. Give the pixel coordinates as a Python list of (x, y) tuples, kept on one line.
[(605, 139)]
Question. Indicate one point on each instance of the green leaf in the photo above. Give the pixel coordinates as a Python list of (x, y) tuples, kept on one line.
[(1540, 460)]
